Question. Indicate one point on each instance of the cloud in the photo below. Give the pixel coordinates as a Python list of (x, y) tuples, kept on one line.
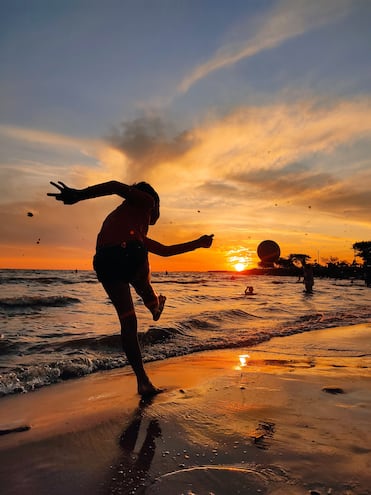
[(294, 179), (148, 142), (42, 137), (33, 157), (302, 152), (348, 202), (286, 21)]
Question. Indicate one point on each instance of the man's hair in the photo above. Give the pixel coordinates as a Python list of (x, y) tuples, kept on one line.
[(147, 188)]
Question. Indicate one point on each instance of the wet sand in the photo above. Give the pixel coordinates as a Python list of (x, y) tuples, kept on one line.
[(294, 420)]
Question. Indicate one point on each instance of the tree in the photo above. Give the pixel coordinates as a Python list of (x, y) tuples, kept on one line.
[(362, 249), (284, 263)]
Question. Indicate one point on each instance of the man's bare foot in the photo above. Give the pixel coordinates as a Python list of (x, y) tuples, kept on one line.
[(161, 303), (149, 390)]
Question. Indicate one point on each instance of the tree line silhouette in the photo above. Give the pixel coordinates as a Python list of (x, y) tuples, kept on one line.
[(331, 267)]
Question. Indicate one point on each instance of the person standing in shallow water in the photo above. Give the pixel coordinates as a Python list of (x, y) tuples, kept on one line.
[(121, 258), (308, 278)]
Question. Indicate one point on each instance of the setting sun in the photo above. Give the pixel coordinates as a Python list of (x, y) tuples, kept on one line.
[(239, 258), (239, 267)]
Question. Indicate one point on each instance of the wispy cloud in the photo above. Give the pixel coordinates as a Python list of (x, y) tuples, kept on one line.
[(287, 20), (292, 180), (42, 137), (30, 158), (300, 153)]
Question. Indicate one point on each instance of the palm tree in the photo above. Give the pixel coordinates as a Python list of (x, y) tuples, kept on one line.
[(363, 250)]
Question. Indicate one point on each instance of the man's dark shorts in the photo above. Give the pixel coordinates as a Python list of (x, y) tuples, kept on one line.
[(120, 263)]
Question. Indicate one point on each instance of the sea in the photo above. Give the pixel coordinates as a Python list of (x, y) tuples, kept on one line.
[(58, 325)]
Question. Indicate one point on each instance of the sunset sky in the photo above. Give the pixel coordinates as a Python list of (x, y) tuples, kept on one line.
[(251, 118)]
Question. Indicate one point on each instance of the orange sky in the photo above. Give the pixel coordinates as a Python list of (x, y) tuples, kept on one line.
[(258, 126)]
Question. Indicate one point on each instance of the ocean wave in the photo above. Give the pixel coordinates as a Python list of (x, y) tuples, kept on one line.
[(37, 376), (155, 347), (319, 321), (46, 280), (67, 278), (108, 343), (36, 301), (92, 355), (182, 282), (209, 319), (7, 346)]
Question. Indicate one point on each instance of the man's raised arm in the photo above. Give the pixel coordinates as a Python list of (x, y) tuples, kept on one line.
[(70, 196), (155, 247)]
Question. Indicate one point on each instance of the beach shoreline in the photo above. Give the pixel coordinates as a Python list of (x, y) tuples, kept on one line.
[(294, 419)]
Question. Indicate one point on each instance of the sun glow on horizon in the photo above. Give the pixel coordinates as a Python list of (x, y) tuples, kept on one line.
[(239, 266), (239, 258)]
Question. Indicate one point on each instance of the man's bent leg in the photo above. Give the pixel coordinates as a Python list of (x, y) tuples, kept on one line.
[(119, 293), (144, 289)]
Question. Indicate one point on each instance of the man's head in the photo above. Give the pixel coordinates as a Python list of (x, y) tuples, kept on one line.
[(147, 188)]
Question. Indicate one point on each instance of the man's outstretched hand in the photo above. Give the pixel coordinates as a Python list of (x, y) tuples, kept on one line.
[(66, 194), (206, 240)]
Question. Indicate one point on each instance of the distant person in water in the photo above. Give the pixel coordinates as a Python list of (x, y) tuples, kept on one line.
[(368, 275), (308, 278), (121, 258), (249, 291)]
